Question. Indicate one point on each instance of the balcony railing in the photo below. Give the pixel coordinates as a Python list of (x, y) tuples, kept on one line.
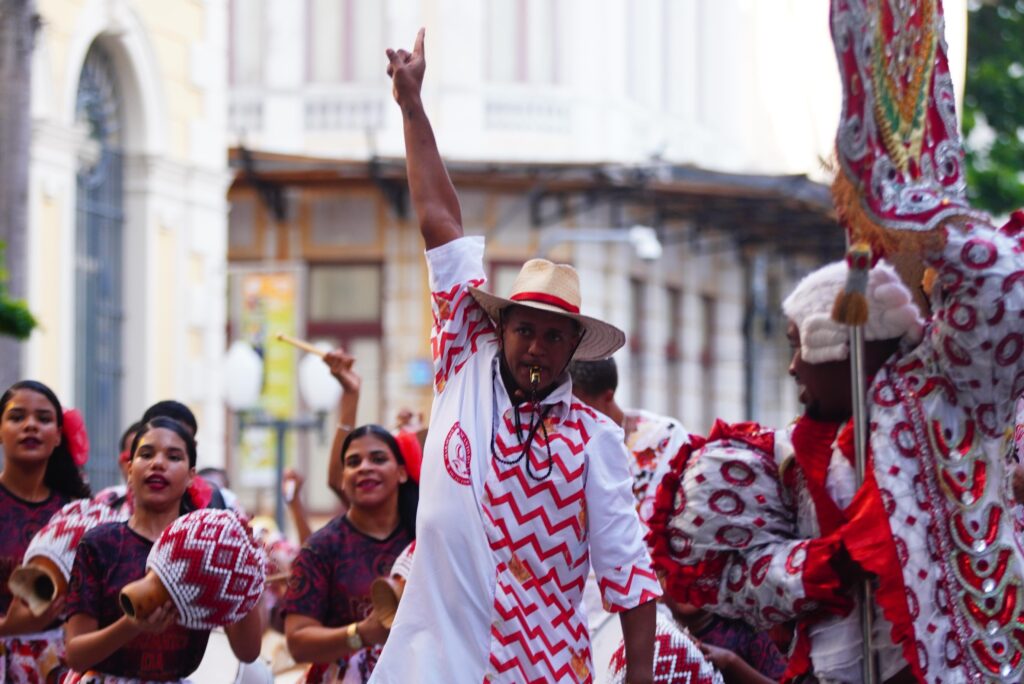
[(527, 109), (342, 109)]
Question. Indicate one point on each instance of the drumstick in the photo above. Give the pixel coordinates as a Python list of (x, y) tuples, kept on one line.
[(278, 577), (301, 344)]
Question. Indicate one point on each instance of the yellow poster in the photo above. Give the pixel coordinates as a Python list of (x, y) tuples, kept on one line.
[(269, 307)]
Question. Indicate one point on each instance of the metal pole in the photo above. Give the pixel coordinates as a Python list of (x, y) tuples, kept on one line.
[(860, 436), (281, 428)]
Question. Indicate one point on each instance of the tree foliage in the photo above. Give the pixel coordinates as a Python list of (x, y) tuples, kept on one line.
[(15, 318), (993, 118)]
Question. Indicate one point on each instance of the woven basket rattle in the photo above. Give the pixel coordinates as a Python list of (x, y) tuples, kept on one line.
[(207, 563), (46, 567)]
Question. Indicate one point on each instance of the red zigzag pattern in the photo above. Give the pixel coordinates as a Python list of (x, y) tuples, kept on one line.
[(456, 310), (211, 566), (538, 528)]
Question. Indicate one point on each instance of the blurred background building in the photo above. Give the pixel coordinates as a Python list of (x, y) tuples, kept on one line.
[(566, 124), (127, 234), (210, 170)]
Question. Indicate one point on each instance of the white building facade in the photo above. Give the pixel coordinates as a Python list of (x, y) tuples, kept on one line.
[(128, 213)]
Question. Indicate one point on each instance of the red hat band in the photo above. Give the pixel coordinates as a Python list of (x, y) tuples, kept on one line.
[(545, 298)]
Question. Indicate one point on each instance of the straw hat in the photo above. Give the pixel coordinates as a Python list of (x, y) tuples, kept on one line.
[(548, 286)]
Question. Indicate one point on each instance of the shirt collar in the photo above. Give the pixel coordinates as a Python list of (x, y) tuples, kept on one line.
[(559, 399)]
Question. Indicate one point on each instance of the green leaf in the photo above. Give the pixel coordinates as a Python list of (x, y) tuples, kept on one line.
[(15, 318), (995, 94)]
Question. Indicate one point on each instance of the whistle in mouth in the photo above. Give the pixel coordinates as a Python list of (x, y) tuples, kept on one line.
[(534, 376)]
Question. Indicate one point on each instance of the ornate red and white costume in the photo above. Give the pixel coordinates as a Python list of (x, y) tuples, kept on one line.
[(651, 441), (502, 550), (751, 533)]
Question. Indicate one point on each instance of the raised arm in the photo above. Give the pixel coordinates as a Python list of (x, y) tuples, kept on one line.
[(291, 489), (433, 195), (245, 636), (340, 363)]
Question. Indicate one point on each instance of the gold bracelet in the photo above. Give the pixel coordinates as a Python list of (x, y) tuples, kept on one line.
[(352, 638)]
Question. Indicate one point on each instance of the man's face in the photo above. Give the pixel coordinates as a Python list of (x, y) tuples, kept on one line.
[(824, 388), (533, 338)]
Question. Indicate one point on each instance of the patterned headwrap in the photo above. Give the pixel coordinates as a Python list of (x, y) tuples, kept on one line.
[(891, 312)]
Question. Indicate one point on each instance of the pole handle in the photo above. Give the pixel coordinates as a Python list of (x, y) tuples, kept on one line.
[(301, 344)]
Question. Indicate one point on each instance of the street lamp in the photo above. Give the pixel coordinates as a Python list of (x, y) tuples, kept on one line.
[(243, 369)]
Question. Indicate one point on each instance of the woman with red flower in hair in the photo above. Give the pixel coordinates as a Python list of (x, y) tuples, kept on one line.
[(328, 612), (44, 448)]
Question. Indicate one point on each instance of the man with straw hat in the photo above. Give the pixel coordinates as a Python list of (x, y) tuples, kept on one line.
[(931, 524), (524, 488)]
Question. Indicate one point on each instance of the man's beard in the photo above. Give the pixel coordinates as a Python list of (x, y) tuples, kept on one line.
[(812, 410)]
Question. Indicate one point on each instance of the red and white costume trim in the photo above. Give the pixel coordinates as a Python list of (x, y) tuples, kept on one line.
[(677, 659), (501, 557), (93, 677), (933, 520), (651, 441)]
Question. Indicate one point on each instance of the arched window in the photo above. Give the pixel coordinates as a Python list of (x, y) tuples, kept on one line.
[(99, 228)]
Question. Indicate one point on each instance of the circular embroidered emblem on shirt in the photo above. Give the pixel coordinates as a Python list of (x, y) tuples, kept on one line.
[(457, 454)]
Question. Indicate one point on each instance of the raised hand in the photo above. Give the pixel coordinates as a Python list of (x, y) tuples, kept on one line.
[(433, 195), (340, 362), (291, 484), (406, 71)]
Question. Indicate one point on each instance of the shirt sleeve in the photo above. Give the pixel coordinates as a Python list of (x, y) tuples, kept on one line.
[(733, 543), (459, 323), (84, 585), (309, 586), (618, 553)]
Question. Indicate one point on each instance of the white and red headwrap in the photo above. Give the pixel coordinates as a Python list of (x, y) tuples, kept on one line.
[(892, 312)]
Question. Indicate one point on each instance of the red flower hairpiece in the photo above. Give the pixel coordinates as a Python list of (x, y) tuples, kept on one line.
[(200, 491), (412, 453), (75, 436)]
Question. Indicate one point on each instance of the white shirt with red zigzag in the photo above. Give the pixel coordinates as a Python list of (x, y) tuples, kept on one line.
[(503, 550)]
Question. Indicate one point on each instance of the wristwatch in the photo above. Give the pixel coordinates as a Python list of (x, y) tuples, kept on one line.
[(352, 638)]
